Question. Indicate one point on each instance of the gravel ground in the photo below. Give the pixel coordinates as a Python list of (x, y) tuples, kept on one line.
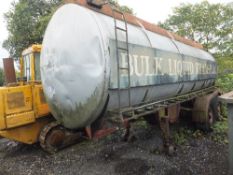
[(111, 156)]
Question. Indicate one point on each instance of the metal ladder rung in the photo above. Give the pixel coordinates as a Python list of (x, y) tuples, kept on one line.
[(119, 28), (118, 14), (121, 48), (123, 68)]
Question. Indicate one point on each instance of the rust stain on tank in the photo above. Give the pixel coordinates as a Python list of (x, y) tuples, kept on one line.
[(107, 10)]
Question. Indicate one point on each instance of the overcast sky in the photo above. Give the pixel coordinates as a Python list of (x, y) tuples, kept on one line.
[(152, 11)]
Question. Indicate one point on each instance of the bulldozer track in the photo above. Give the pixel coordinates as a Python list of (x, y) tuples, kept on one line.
[(43, 137)]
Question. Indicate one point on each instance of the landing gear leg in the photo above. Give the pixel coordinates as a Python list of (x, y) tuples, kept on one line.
[(164, 125), (127, 132), (129, 135)]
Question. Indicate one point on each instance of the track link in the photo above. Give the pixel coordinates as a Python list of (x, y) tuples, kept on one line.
[(44, 136), (55, 137)]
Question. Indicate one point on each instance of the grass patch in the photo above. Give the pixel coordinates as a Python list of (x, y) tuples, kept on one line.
[(220, 130), (183, 135), (225, 82)]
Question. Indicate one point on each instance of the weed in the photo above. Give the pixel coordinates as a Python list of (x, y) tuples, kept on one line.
[(219, 134), (220, 130), (181, 136)]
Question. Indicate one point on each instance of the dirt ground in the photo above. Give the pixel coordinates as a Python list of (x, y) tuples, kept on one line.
[(111, 156)]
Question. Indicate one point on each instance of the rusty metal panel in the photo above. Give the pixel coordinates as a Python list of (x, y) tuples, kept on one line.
[(9, 70), (107, 10), (173, 113), (15, 100)]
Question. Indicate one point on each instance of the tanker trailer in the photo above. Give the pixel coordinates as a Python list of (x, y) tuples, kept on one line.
[(97, 61)]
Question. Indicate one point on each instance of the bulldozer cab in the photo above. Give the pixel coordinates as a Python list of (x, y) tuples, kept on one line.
[(30, 64)]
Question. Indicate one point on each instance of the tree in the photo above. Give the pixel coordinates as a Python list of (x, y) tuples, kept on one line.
[(226, 35), (2, 78), (26, 23), (208, 24), (122, 8)]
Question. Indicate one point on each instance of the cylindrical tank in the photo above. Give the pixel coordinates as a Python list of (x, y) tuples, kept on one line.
[(79, 65)]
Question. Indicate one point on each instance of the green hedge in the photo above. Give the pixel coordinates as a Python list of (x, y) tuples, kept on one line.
[(225, 81)]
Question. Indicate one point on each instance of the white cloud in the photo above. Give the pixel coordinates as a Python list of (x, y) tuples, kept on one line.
[(155, 11)]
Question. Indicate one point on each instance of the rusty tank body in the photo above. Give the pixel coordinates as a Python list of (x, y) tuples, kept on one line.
[(92, 62)]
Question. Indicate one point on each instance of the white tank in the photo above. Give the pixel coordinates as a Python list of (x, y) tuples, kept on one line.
[(79, 66)]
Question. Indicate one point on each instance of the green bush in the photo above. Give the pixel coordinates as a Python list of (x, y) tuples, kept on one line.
[(225, 82), (2, 78), (220, 130), (225, 71)]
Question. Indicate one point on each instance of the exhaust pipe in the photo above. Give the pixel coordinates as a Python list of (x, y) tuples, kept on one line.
[(9, 70)]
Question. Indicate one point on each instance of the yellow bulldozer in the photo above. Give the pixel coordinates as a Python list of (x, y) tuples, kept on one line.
[(24, 114), (23, 108)]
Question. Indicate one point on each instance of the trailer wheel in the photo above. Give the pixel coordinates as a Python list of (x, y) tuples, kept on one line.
[(216, 108), (209, 122), (213, 113), (206, 111)]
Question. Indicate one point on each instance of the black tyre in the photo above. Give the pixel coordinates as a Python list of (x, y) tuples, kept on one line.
[(212, 116)]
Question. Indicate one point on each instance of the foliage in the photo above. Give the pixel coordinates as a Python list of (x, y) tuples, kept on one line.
[(181, 136), (225, 82), (2, 78), (225, 71), (122, 8), (220, 130), (26, 23), (225, 64), (208, 24)]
